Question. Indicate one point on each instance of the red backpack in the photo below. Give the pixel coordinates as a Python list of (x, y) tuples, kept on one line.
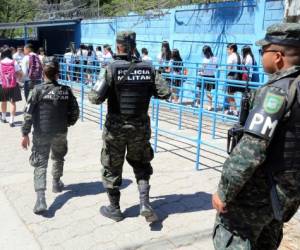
[(8, 75), (35, 68)]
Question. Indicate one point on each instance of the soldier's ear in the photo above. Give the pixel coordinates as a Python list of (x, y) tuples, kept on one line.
[(279, 59)]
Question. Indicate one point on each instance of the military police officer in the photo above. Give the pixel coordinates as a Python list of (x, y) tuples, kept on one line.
[(128, 85), (259, 188), (51, 108)]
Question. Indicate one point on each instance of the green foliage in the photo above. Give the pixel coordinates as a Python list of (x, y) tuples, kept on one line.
[(13, 11), (29, 10)]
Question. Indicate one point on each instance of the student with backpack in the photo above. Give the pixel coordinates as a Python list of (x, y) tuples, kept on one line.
[(10, 72), (32, 69)]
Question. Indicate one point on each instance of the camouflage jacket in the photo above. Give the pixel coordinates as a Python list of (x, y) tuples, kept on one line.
[(244, 180)]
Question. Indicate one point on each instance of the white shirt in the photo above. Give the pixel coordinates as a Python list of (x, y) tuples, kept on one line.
[(209, 66), (146, 58), (18, 57), (82, 53), (8, 60), (248, 61), (25, 65), (99, 55), (232, 59), (68, 57)]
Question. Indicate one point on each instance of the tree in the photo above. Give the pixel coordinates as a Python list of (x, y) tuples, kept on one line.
[(14, 11)]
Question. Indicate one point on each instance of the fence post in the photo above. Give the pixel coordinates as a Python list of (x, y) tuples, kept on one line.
[(215, 105), (81, 92), (101, 118), (156, 125), (200, 117)]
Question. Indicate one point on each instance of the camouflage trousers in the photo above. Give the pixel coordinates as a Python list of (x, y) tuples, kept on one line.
[(237, 234), (42, 145), (130, 138)]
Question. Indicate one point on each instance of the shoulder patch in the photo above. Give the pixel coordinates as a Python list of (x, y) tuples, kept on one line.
[(273, 103)]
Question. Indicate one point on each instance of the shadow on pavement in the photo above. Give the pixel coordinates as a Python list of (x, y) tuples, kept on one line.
[(174, 204), (78, 190)]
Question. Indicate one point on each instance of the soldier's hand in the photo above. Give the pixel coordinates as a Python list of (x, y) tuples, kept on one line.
[(218, 204), (25, 142)]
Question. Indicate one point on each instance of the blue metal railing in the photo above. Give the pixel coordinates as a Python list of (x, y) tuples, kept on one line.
[(81, 77)]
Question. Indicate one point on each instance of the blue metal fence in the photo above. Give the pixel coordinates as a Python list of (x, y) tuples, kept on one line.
[(190, 90)]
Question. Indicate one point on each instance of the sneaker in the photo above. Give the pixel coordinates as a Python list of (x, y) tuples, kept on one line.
[(12, 124), (3, 120)]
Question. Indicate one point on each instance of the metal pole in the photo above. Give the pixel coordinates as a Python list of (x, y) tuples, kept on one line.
[(25, 34)]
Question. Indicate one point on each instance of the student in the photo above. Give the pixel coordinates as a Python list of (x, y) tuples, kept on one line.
[(68, 59), (42, 56), (233, 61), (99, 54), (19, 55), (165, 54), (10, 73), (208, 70), (175, 64), (249, 62), (145, 56), (32, 69), (91, 62)]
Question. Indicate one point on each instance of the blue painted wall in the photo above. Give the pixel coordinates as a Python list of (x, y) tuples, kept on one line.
[(188, 28)]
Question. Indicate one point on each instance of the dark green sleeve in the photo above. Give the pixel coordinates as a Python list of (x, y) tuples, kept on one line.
[(161, 87), (246, 157), (73, 109), (99, 92), (29, 111)]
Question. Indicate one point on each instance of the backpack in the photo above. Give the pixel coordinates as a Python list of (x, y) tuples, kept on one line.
[(8, 75), (35, 68)]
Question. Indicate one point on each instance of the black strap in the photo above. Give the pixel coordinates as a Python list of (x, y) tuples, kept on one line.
[(292, 93)]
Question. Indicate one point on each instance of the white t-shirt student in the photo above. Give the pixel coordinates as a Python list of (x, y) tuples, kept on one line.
[(234, 60), (209, 66), (248, 61)]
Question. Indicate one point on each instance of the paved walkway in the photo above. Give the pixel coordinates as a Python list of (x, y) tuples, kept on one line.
[(180, 195)]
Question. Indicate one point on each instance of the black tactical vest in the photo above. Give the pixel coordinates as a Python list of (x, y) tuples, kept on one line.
[(52, 114), (131, 97), (284, 150)]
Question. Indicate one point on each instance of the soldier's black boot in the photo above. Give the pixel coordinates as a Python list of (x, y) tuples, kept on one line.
[(145, 208), (40, 205), (113, 211), (57, 185)]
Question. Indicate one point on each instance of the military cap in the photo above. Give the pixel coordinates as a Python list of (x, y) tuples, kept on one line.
[(287, 34), (125, 37)]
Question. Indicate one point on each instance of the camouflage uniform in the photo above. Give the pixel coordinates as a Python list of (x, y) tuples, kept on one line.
[(127, 126), (50, 129), (249, 222)]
